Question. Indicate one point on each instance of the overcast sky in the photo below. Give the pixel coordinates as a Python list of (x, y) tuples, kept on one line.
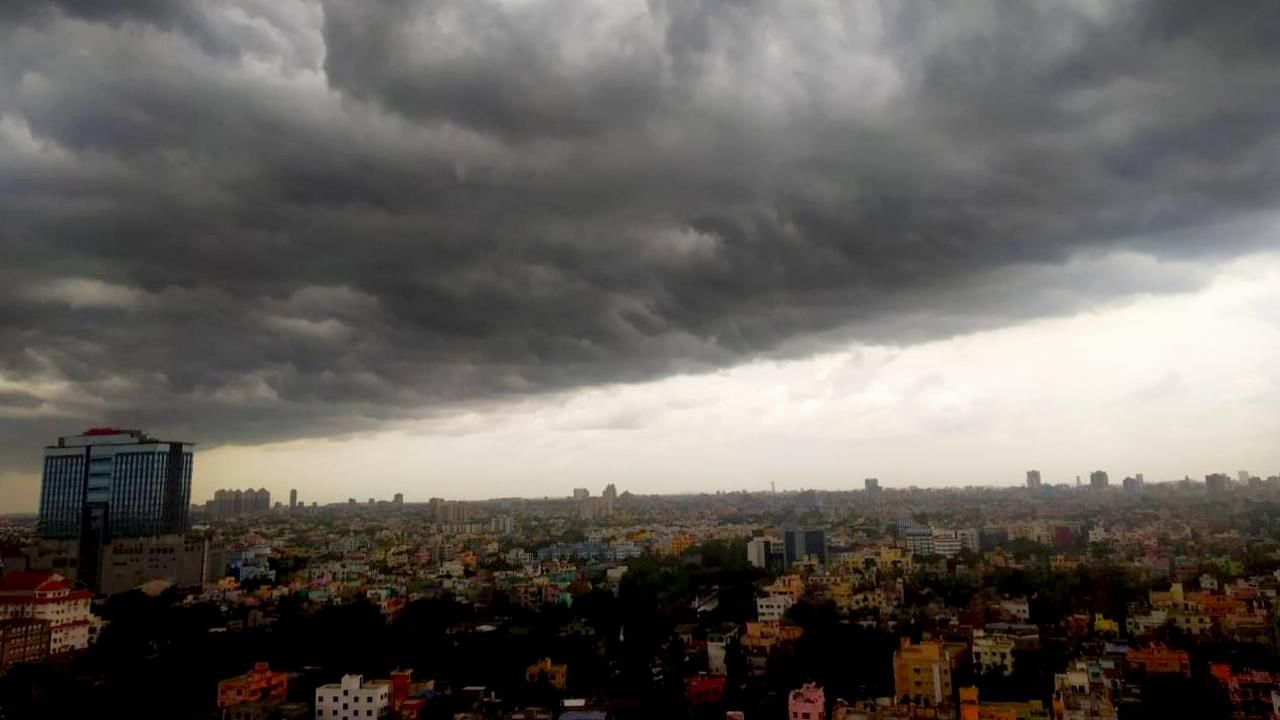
[(506, 247)]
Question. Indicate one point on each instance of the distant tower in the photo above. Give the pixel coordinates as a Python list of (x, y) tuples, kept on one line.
[(773, 487), (398, 499), (872, 485), (293, 498), (1033, 479), (1098, 480)]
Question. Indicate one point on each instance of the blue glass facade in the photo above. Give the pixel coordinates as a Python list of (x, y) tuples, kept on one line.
[(137, 489), (62, 496)]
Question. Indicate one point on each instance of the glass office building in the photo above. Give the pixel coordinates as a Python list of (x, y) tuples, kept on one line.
[(109, 483)]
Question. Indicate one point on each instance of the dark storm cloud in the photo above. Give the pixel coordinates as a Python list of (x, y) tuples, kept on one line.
[(265, 219)]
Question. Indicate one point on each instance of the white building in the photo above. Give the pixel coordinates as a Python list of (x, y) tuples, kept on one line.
[(758, 552), (351, 699), (946, 543), (773, 607), (43, 595), (992, 653)]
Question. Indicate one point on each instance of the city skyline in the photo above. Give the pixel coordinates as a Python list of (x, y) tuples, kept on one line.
[(448, 249)]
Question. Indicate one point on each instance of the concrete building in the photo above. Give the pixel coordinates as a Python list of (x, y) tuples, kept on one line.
[(581, 493), (260, 684), (352, 699), (922, 672), (227, 504), (23, 640), (293, 498), (1217, 482), (1098, 480), (1033, 479), (1158, 659), (40, 595), (993, 653), (128, 563), (110, 483), (872, 485), (807, 703), (758, 551), (772, 608)]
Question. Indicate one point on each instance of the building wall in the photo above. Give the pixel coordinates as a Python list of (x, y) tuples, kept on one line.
[(351, 699)]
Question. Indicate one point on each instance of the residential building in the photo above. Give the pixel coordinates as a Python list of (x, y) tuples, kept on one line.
[(872, 485), (992, 653), (553, 674), (293, 498), (352, 699), (972, 709), (42, 595), (227, 504), (772, 608), (23, 640), (1098, 480), (109, 483), (703, 689), (1033, 479), (807, 703), (1081, 694), (258, 685), (1159, 659), (922, 672), (1217, 482)]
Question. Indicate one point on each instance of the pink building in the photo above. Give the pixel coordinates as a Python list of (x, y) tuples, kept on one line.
[(807, 703)]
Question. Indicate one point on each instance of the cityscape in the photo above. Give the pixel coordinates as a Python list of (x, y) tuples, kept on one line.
[(1065, 601), (639, 360)]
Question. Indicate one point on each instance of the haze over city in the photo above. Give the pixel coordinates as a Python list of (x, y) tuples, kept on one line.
[(477, 249)]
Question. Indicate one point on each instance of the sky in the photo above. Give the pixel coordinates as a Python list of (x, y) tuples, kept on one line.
[(473, 248)]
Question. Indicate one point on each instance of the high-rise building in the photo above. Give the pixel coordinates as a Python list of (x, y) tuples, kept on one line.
[(581, 493), (398, 499), (871, 484), (1098, 480), (922, 672), (110, 483), (1217, 482), (610, 492), (1033, 479), (228, 504), (293, 498), (801, 542), (1134, 484), (758, 551)]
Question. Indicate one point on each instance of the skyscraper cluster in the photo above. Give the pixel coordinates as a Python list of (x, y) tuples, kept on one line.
[(228, 504)]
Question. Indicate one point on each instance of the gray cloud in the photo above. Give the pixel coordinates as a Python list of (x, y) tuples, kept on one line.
[(264, 219)]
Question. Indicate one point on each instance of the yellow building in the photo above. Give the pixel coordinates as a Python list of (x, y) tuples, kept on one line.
[(546, 671), (922, 672)]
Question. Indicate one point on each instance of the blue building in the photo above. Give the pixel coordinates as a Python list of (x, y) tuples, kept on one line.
[(109, 483), (800, 542)]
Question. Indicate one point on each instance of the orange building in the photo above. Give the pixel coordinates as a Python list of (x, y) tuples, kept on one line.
[(259, 684), (1158, 659), (922, 672)]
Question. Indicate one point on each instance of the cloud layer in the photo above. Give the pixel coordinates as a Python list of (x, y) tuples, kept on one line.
[(262, 219)]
